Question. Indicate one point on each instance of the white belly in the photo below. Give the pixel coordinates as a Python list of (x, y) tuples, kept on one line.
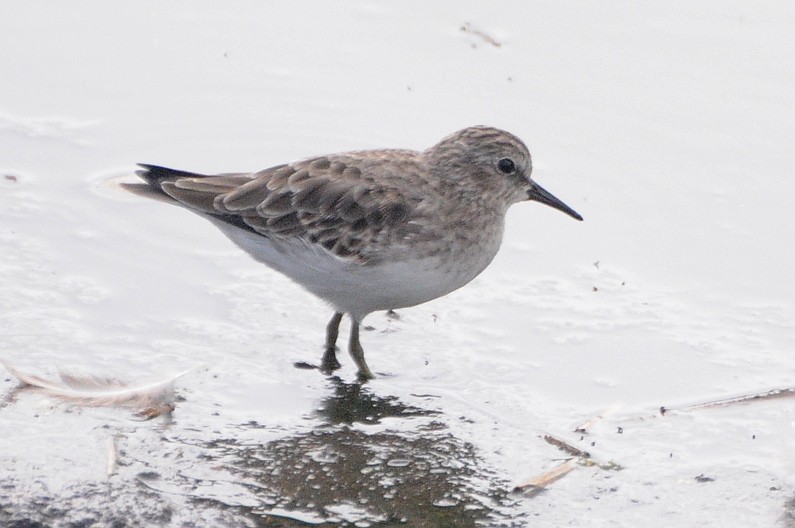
[(359, 289)]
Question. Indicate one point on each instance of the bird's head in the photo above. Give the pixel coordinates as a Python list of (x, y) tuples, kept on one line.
[(497, 160)]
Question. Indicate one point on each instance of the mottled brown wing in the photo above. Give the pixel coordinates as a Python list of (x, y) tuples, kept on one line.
[(331, 201)]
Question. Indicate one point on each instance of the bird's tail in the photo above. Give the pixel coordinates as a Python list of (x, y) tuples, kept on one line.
[(155, 175)]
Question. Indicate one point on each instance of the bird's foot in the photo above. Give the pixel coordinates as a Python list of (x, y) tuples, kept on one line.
[(329, 363), (364, 374)]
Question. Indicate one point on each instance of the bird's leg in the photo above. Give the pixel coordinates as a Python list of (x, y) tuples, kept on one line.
[(329, 362), (357, 353)]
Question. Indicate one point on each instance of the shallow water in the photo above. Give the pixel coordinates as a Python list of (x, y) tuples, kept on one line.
[(356, 460), (675, 290)]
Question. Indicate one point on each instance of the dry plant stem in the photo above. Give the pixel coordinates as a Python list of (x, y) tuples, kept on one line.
[(113, 455), (566, 447), (774, 394), (467, 28), (537, 484), (585, 427)]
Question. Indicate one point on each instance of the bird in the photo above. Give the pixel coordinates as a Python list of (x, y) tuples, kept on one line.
[(368, 230)]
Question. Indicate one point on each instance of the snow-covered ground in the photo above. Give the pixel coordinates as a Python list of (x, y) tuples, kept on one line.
[(669, 126)]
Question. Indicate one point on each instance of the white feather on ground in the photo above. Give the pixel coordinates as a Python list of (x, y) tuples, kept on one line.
[(150, 399)]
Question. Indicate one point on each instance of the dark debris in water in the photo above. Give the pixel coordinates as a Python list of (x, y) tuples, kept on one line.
[(344, 475)]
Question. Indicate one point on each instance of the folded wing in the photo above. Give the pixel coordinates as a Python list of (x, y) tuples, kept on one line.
[(329, 201)]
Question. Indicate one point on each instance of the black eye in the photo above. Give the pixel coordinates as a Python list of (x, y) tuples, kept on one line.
[(506, 166)]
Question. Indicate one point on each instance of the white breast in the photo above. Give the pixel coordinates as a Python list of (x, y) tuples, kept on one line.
[(361, 289)]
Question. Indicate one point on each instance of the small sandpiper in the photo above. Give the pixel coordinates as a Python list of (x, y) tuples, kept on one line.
[(369, 230)]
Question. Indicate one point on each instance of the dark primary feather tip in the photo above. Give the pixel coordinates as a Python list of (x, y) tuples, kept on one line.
[(154, 175), (147, 174)]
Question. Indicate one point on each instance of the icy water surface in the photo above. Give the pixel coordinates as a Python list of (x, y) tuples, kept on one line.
[(357, 460), (669, 127)]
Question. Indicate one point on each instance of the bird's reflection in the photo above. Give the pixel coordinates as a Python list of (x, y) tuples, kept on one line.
[(347, 471), (355, 403)]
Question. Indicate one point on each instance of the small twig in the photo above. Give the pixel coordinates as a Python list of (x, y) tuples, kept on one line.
[(488, 39), (566, 447), (585, 427), (774, 394), (536, 485), (113, 455)]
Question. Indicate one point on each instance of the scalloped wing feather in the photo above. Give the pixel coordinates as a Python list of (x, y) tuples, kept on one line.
[(330, 201)]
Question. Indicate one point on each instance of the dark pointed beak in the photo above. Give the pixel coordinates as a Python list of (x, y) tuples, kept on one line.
[(539, 194)]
